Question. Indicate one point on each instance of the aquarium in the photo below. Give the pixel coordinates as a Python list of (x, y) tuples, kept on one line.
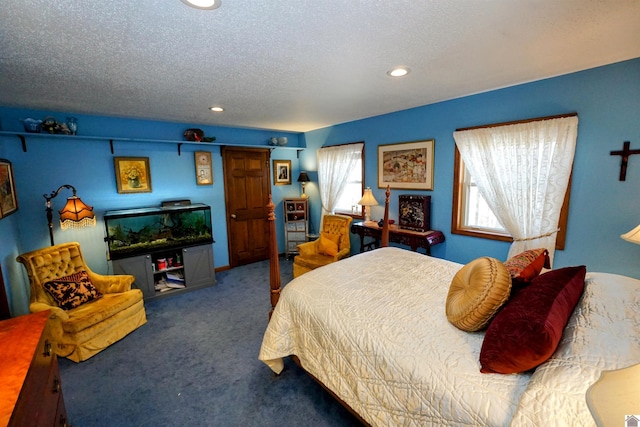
[(132, 232)]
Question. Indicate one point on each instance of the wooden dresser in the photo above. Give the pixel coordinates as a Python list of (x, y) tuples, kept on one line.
[(30, 387)]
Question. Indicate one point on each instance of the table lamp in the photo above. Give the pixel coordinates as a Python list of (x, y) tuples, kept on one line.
[(303, 178), (632, 236), (367, 201), (614, 397)]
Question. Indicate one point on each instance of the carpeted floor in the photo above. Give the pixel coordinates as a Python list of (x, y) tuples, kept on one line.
[(195, 363)]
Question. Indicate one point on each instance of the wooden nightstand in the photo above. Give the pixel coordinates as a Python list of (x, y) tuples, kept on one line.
[(30, 387)]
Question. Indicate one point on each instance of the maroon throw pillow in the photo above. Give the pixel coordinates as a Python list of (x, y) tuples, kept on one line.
[(527, 330)]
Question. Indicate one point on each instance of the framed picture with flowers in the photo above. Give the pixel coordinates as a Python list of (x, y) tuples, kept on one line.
[(132, 174)]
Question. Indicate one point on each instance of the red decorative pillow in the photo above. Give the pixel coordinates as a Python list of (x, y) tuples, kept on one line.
[(73, 290), (527, 265), (527, 330)]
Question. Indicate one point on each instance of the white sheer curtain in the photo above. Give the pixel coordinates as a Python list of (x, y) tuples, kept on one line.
[(522, 171), (334, 166)]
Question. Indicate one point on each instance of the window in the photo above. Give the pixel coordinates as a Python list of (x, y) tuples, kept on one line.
[(477, 213), (341, 178), (352, 193), (472, 216)]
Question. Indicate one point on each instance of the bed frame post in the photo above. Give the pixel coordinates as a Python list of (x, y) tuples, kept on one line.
[(384, 241), (274, 261)]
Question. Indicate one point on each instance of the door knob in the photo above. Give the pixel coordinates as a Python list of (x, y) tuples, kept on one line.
[(233, 216)]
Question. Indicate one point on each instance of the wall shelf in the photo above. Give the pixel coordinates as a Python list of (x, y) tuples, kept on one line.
[(24, 135)]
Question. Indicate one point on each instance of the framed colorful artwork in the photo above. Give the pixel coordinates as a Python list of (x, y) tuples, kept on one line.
[(8, 198), (132, 174), (204, 170), (407, 165), (282, 172)]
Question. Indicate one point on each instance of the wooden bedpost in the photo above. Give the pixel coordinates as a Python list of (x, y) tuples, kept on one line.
[(384, 241), (274, 262)]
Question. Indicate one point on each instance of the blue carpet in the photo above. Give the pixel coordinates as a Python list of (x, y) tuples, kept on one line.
[(195, 363)]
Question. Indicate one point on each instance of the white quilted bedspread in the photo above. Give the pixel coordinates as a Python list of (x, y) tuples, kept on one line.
[(373, 329), (602, 334)]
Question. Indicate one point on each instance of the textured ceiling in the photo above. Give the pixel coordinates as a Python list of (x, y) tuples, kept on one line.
[(294, 65)]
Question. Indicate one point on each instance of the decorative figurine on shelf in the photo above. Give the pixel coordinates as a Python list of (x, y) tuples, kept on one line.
[(49, 124), (197, 135), (281, 141), (72, 124), (32, 125)]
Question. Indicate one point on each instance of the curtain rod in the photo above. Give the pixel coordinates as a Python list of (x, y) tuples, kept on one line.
[(495, 125), (339, 145)]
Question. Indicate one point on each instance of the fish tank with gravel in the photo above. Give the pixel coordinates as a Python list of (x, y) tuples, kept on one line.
[(139, 231)]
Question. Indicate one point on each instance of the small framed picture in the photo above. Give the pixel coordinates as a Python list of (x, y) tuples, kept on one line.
[(282, 172), (204, 170), (132, 174), (8, 198), (408, 165)]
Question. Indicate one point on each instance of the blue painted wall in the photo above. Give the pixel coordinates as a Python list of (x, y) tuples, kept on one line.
[(607, 100), (87, 164)]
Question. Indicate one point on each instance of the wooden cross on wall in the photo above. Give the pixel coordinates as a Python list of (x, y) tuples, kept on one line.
[(625, 153)]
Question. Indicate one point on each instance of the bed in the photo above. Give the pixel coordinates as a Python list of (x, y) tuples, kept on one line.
[(372, 329)]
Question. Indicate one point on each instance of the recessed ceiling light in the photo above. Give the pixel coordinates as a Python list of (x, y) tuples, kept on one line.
[(203, 4), (216, 109), (398, 72)]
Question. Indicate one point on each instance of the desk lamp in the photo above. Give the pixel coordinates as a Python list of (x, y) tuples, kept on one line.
[(367, 201)]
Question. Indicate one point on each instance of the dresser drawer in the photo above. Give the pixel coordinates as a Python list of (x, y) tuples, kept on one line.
[(40, 401)]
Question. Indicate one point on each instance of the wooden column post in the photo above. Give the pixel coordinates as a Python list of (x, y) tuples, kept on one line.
[(384, 241), (274, 261)]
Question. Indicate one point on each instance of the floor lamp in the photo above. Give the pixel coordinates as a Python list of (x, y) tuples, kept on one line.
[(74, 214)]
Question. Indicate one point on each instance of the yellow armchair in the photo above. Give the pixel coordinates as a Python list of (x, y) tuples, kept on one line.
[(333, 245), (81, 332)]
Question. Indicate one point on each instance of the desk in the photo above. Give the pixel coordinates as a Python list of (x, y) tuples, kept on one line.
[(414, 239)]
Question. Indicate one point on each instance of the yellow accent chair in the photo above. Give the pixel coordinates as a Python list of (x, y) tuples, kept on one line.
[(81, 332), (333, 245)]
